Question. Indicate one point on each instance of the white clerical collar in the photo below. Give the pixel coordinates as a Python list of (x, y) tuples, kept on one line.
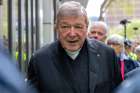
[(74, 54)]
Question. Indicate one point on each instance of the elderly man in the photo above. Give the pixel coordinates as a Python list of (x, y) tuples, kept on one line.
[(74, 64), (98, 30)]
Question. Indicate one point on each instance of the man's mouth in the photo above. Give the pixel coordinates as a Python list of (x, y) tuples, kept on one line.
[(74, 41), (95, 38)]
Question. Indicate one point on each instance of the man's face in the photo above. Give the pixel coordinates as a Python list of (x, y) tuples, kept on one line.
[(72, 32), (97, 32)]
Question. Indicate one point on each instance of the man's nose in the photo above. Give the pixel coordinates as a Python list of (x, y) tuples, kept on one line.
[(95, 35), (72, 31)]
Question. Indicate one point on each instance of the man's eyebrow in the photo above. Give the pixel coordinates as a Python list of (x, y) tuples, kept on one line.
[(70, 24), (63, 22), (78, 24)]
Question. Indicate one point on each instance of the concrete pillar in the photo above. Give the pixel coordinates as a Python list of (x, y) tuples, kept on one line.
[(48, 22)]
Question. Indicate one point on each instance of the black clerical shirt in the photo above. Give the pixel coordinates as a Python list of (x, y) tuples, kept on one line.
[(77, 71)]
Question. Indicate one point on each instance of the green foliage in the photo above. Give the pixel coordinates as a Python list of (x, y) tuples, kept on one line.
[(131, 28), (130, 32)]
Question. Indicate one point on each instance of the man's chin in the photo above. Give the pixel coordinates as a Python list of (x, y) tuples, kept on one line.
[(72, 49)]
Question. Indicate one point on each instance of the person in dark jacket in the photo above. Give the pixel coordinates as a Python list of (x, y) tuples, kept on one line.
[(73, 63)]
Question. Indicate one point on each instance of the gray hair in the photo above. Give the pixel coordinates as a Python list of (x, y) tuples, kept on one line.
[(137, 49), (71, 8), (99, 23), (115, 38)]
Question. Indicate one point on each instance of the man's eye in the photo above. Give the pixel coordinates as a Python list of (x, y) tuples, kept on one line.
[(100, 33), (78, 26), (93, 32), (65, 26)]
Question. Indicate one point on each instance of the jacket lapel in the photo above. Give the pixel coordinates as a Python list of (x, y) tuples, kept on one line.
[(94, 58)]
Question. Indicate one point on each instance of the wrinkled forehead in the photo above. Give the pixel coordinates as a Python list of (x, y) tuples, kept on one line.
[(72, 20)]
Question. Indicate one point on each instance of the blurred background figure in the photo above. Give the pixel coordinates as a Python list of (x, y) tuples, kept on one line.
[(126, 63), (131, 84), (11, 80), (137, 51), (117, 43), (128, 44), (136, 42), (98, 30)]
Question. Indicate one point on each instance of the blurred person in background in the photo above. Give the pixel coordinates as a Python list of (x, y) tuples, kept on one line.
[(131, 84), (126, 63), (136, 42), (117, 43), (98, 30), (11, 80), (137, 52), (128, 44)]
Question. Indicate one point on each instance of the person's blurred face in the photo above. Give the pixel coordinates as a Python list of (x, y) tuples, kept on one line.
[(117, 47), (97, 32), (72, 32)]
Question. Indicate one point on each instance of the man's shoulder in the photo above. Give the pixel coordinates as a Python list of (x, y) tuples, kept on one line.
[(47, 49), (98, 44)]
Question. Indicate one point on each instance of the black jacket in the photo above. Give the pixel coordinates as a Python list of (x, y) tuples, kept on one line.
[(46, 73)]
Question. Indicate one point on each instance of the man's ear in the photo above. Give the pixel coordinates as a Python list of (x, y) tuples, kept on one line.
[(104, 39), (54, 27), (56, 30), (88, 34)]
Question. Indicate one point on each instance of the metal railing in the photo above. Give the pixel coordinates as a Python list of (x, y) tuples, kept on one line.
[(23, 30)]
